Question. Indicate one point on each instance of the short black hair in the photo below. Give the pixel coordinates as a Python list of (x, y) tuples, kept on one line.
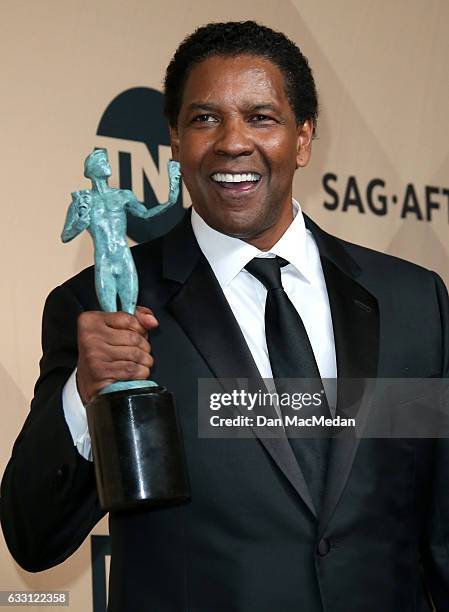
[(243, 38)]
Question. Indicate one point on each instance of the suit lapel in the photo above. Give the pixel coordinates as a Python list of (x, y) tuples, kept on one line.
[(355, 320), (203, 312)]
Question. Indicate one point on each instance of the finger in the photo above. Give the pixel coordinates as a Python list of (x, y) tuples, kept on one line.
[(94, 321), (127, 370), (119, 353), (126, 338), (123, 320)]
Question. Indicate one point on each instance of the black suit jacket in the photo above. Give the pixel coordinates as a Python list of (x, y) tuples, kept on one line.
[(250, 540)]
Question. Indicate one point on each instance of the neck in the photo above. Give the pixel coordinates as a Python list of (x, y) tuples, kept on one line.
[(100, 184)]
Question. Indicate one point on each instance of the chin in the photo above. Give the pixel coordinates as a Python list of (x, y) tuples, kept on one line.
[(251, 228), (243, 231), (238, 222)]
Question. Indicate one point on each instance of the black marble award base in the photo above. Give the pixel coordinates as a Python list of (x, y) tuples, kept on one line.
[(137, 448)]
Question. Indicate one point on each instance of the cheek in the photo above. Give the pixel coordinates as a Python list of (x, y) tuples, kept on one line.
[(281, 153), (189, 181), (192, 150)]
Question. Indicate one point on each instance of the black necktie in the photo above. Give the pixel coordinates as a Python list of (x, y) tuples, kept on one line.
[(291, 356)]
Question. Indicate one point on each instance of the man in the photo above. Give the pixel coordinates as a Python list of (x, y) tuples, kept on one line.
[(256, 536)]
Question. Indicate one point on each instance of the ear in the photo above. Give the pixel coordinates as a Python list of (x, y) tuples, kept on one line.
[(304, 143), (174, 143)]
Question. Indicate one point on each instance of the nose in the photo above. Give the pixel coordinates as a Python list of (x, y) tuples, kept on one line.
[(233, 139)]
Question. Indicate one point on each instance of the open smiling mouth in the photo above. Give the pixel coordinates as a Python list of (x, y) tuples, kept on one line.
[(236, 182)]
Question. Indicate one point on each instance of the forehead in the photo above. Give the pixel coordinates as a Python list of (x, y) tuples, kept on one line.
[(235, 78)]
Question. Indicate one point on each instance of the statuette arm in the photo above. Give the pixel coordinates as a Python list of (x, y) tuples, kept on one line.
[(139, 210), (78, 215)]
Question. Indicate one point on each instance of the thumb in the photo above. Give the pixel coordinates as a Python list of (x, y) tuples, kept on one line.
[(146, 317)]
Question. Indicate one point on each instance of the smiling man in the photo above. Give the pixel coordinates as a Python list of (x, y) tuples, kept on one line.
[(245, 287), (239, 143)]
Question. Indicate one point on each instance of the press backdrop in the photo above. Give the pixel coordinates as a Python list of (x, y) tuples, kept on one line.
[(84, 73)]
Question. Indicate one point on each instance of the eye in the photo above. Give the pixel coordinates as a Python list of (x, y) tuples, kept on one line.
[(204, 118), (260, 118)]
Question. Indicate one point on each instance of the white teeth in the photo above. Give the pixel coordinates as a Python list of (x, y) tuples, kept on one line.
[(220, 177)]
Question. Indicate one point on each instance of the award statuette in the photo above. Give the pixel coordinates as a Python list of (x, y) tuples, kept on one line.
[(136, 441)]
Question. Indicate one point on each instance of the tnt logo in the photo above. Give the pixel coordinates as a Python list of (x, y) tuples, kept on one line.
[(135, 133)]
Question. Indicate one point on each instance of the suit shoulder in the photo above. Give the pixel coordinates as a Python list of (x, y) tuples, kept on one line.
[(381, 264), (369, 262), (402, 288)]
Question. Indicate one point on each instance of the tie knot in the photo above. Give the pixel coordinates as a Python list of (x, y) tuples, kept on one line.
[(267, 270)]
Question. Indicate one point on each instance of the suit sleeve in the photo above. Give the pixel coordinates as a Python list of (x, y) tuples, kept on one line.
[(49, 501), (436, 548)]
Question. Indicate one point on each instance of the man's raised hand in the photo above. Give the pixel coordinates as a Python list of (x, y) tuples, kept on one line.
[(112, 346)]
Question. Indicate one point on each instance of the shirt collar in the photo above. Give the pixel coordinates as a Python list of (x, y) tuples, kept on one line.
[(228, 256)]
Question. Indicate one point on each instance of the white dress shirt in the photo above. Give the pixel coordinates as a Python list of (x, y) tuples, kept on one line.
[(302, 279)]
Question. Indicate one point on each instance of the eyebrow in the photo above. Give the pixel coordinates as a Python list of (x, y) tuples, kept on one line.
[(267, 106), (248, 107), (201, 106)]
